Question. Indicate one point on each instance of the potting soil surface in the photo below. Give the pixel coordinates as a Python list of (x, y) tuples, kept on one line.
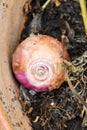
[(59, 109)]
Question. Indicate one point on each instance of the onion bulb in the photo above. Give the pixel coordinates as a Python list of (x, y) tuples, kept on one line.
[(38, 63)]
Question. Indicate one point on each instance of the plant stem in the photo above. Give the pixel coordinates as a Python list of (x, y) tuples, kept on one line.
[(45, 4), (84, 13)]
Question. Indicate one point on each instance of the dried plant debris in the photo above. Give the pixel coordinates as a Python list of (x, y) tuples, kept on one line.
[(59, 109)]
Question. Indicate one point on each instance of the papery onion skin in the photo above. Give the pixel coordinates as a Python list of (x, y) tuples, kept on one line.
[(38, 63)]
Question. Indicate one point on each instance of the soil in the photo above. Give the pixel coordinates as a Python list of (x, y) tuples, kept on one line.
[(59, 109)]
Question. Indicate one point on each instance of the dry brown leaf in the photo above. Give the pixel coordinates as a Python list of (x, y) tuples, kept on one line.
[(57, 2)]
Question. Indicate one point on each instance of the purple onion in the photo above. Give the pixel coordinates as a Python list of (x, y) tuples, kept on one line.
[(38, 63)]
